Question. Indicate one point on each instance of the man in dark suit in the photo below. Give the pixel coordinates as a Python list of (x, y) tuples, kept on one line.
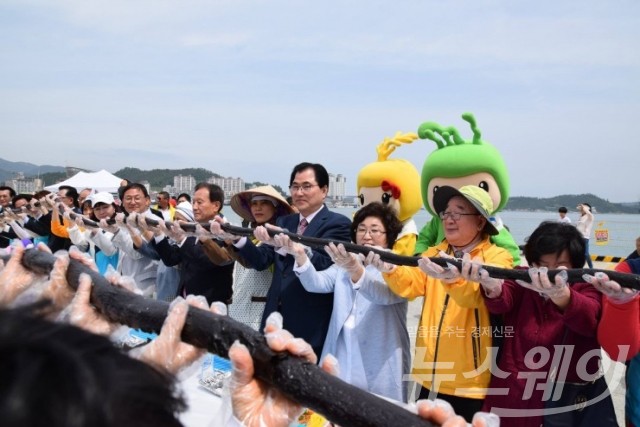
[(199, 275), (306, 315), (6, 233)]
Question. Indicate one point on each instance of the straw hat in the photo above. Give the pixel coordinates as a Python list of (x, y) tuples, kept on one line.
[(241, 202)]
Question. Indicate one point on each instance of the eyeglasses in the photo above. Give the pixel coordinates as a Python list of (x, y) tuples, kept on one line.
[(305, 187), (373, 232), (454, 215), (129, 199)]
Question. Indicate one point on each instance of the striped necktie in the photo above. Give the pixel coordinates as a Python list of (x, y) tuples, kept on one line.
[(302, 226)]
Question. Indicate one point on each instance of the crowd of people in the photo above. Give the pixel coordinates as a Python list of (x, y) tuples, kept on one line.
[(524, 350)]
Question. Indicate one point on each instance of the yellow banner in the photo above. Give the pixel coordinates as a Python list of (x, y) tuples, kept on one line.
[(602, 235)]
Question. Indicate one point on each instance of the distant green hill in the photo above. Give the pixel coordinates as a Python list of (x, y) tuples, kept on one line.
[(158, 178), (570, 201)]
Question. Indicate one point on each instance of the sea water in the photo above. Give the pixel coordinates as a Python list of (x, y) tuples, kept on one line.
[(620, 230)]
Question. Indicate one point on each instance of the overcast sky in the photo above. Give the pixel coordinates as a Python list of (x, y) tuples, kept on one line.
[(250, 88)]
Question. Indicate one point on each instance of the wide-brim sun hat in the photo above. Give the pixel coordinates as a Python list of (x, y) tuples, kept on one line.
[(241, 202), (478, 197)]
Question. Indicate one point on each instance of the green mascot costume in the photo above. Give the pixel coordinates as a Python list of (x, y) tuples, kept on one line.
[(457, 163)]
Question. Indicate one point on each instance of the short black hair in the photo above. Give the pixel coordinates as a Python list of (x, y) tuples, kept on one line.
[(137, 186), (562, 209), (59, 375), (322, 176), (70, 191), (12, 192), (164, 194), (21, 196), (387, 216), (553, 237), (185, 195), (216, 194)]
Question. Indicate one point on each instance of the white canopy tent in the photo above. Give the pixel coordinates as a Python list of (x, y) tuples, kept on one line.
[(98, 181)]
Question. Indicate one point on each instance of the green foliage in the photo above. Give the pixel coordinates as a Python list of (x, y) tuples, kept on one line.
[(51, 178), (569, 201), (158, 178)]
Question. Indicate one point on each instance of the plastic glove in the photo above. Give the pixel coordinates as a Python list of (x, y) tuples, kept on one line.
[(446, 275), (145, 227), (42, 208), (86, 316), (173, 232), (124, 282), (215, 228), (67, 215), (373, 259), (14, 278), (111, 228), (350, 262), (540, 283), (254, 403), (472, 271), (168, 352), (131, 222), (13, 216), (49, 200), (440, 412), (284, 242), (202, 234), (610, 288), (79, 221), (262, 234), (57, 290)]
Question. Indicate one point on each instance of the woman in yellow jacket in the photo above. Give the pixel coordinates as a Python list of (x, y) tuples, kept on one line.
[(453, 345)]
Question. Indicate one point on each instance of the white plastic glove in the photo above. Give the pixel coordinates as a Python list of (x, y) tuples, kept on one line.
[(49, 200), (131, 222), (472, 271), (168, 351), (215, 228), (262, 234), (540, 283), (113, 228), (86, 316), (255, 404), (143, 225), (610, 288), (202, 234), (441, 413), (173, 232), (125, 282), (43, 207), (14, 278), (288, 246), (373, 259), (350, 262), (430, 268), (78, 221)]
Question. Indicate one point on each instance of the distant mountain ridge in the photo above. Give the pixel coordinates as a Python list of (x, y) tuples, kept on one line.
[(570, 201), (9, 169), (158, 178)]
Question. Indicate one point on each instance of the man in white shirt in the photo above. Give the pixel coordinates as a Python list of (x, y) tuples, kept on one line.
[(563, 215)]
